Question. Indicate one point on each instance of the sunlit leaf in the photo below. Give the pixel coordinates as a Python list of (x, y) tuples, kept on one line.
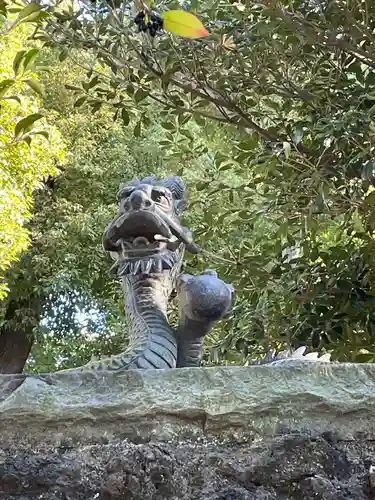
[(29, 58), (5, 86), (26, 123), (27, 11), (17, 62), (13, 98), (43, 133), (182, 23), (35, 86)]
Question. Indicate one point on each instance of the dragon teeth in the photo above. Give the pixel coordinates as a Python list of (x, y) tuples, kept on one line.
[(159, 237), (158, 265), (134, 267), (143, 266), (123, 269), (146, 266)]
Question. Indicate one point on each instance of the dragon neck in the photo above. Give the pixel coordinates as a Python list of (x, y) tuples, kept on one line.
[(145, 295), (146, 302)]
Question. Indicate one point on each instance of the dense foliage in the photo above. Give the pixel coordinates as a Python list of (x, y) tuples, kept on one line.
[(294, 189), (27, 153), (270, 119)]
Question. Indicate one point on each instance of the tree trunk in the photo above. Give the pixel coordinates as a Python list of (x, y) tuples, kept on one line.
[(16, 334)]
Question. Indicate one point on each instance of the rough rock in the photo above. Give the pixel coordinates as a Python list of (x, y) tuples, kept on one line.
[(288, 432), (286, 467)]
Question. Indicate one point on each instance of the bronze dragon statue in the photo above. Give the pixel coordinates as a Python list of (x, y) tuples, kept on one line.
[(147, 241)]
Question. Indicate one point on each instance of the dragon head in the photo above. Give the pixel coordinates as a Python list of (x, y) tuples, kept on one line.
[(146, 236)]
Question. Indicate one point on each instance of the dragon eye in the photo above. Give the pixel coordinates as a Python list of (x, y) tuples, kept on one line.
[(124, 202), (158, 196)]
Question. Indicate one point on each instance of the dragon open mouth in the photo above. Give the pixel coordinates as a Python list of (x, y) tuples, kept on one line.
[(144, 243), (141, 244), (144, 233)]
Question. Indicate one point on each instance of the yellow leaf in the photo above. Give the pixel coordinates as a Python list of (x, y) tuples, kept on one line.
[(183, 24)]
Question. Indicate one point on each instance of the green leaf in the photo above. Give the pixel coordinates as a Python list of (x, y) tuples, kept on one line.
[(365, 358), (30, 9), (370, 199), (201, 185), (63, 54), (220, 159), (168, 125), (35, 86), (17, 61), (3, 8), (137, 130), (43, 133), (27, 139), (13, 98), (249, 143), (125, 117), (244, 214), (36, 16), (139, 95), (225, 166), (26, 123), (357, 223), (187, 134), (29, 58), (5, 85), (95, 105), (183, 119), (129, 89), (80, 101), (73, 87), (94, 81)]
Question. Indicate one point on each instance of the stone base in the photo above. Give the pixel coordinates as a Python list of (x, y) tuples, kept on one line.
[(288, 467), (291, 431)]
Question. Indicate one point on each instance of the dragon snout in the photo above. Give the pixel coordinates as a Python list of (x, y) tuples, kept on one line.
[(139, 200)]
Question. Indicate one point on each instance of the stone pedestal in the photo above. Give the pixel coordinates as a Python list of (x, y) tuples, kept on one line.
[(291, 431)]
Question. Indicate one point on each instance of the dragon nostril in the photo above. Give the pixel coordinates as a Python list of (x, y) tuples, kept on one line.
[(139, 199)]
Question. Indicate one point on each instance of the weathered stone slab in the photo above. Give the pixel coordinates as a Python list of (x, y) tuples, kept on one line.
[(273, 432), (256, 401)]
